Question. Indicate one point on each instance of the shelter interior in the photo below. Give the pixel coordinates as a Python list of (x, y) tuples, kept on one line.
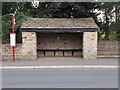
[(59, 44)]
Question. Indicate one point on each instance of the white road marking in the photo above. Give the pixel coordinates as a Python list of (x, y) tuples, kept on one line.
[(55, 67)]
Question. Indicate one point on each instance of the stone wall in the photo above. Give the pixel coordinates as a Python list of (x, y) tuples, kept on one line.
[(24, 51), (105, 49), (108, 48), (7, 52), (90, 45), (0, 52), (0, 47), (21, 52)]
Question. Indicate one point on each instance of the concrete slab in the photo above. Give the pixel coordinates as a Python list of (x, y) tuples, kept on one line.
[(61, 61)]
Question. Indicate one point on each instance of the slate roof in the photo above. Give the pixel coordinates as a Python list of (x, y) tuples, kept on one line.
[(38, 24)]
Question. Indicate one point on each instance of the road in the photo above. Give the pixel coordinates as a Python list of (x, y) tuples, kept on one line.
[(60, 78)]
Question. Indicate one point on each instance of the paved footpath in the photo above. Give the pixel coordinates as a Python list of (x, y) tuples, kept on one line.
[(61, 62)]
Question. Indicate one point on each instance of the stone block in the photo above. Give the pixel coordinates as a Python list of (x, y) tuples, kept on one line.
[(40, 54), (19, 57), (77, 53), (49, 53), (68, 53), (59, 53), (29, 57)]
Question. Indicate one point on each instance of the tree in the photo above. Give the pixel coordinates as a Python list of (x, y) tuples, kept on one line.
[(21, 10), (65, 9), (6, 28), (6, 25), (117, 10), (111, 15), (115, 30), (13, 7)]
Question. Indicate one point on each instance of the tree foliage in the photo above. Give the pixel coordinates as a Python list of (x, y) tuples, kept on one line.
[(6, 28), (65, 9), (112, 15), (109, 30), (115, 30), (12, 7), (7, 24)]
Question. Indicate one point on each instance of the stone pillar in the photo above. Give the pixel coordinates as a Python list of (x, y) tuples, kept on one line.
[(90, 45), (29, 45)]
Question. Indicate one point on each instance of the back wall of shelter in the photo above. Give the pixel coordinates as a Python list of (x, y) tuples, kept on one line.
[(59, 41)]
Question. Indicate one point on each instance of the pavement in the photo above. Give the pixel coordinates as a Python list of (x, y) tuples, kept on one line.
[(61, 62)]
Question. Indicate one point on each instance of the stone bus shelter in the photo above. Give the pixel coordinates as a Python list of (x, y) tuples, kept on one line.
[(59, 37)]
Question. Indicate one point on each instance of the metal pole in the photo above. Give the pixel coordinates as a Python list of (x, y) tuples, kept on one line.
[(12, 23), (13, 51)]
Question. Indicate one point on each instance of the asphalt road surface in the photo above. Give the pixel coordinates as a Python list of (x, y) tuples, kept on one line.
[(60, 78)]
